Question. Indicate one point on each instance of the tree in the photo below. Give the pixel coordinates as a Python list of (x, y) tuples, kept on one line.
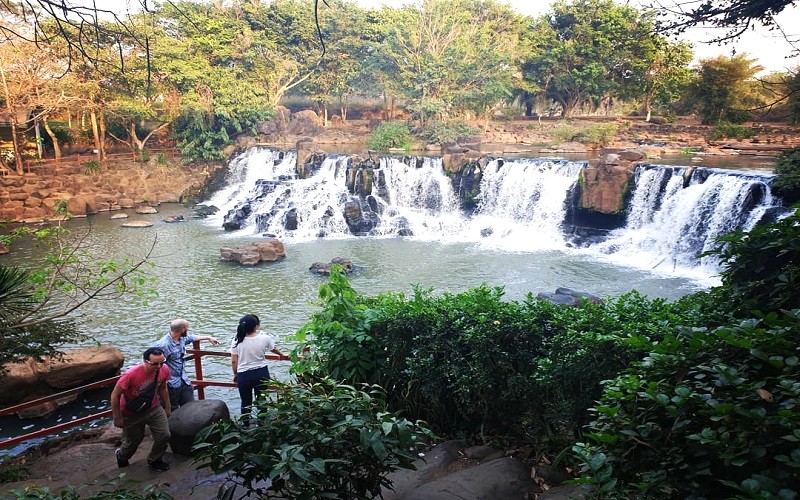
[(30, 90), (658, 71), (578, 51), (725, 89), (782, 91), (446, 57)]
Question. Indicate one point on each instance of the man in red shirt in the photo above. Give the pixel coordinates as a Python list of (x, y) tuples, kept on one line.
[(141, 379)]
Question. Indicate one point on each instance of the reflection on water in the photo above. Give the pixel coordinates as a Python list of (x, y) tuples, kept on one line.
[(193, 283)]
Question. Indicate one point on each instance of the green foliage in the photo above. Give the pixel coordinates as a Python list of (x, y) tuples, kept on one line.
[(468, 362), (203, 136), (691, 150), (345, 348), (761, 269), (438, 132), (600, 133), (787, 180), (143, 157), (161, 160), (709, 413), (724, 89), (730, 131), (322, 440), (118, 489), (91, 166), (35, 303), (390, 135)]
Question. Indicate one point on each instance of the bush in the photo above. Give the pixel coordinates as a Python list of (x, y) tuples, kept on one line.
[(390, 135), (787, 181), (320, 441), (91, 166), (709, 413), (438, 132), (761, 269), (730, 131), (469, 363), (601, 133)]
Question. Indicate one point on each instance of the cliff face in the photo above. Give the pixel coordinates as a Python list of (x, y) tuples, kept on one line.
[(86, 189)]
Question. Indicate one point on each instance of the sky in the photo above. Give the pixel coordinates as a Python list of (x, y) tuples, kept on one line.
[(770, 50)]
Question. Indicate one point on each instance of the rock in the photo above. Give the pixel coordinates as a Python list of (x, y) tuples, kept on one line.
[(189, 419), (145, 209), (137, 223), (3, 248), (604, 185), (119, 216), (82, 205), (203, 211), (269, 250), (175, 218), (324, 269), (566, 296), (30, 380)]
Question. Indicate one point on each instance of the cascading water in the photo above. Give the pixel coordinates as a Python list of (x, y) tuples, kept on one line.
[(523, 202), (676, 213)]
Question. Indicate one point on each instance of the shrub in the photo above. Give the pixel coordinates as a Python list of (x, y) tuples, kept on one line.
[(787, 181), (761, 269), (439, 132), (730, 131), (320, 441), (345, 350), (91, 166), (390, 135), (468, 363), (601, 133), (709, 413)]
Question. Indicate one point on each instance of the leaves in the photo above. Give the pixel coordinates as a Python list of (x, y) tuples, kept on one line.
[(325, 439)]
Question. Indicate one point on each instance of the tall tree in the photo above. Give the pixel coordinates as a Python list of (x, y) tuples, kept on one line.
[(657, 72), (725, 89), (578, 50), (445, 57)]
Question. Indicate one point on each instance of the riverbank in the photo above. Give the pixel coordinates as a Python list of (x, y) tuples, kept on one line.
[(83, 187)]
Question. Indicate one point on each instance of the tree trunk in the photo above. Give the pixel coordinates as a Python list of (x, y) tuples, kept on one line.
[(17, 150), (13, 116), (135, 142), (96, 134), (53, 138), (102, 117)]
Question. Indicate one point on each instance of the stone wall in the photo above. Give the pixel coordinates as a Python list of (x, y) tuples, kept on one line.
[(119, 184)]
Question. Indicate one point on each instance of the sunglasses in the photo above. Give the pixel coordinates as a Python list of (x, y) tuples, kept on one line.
[(154, 363)]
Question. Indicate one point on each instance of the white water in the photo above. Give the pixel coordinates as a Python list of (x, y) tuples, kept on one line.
[(670, 226), (522, 207)]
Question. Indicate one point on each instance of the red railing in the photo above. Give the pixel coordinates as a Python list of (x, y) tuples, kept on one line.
[(199, 382)]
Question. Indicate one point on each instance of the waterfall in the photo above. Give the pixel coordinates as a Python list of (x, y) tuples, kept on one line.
[(676, 213), (523, 202)]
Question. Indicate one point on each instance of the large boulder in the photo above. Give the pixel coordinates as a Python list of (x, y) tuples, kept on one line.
[(30, 379), (605, 183), (268, 250), (189, 419)]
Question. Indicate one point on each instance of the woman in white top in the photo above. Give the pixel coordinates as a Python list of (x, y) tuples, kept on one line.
[(248, 359)]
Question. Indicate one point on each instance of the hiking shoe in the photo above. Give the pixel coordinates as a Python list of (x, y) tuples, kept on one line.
[(120, 461), (158, 465)]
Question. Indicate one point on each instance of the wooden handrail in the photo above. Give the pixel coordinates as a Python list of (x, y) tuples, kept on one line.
[(199, 382)]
